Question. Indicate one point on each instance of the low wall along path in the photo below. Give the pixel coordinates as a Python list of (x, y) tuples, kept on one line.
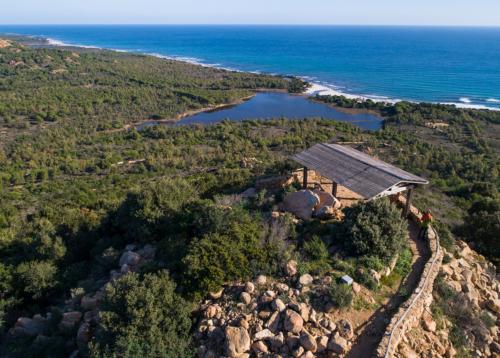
[(410, 312)]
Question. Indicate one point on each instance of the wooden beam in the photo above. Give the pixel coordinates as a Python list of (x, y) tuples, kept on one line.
[(304, 184), (409, 195), (335, 187)]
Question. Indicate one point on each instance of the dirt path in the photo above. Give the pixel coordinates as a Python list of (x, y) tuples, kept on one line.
[(373, 331)]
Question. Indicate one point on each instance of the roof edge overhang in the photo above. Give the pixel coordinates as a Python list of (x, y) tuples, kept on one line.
[(406, 183)]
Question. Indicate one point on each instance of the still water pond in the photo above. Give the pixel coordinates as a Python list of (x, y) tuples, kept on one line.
[(276, 105)]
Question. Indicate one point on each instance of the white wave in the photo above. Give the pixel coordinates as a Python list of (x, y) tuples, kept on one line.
[(465, 100), (317, 89), (59, 43), (471, 106), (54, 42), (493, 100)]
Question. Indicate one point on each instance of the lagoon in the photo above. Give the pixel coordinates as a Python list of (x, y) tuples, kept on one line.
[(270, 105)]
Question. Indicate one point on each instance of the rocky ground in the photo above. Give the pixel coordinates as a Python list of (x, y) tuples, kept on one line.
[(473, 309), (293, 317), (266, 318), (79, 315)]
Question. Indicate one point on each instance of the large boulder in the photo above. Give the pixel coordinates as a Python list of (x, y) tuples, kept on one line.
[(69, 321), (293, 321), (308, 342), (301, 203), (345, 328), (237, 341), (338, 344), (291, 268), (148, 252), (217, 294), (428, 323), (88, 303), (264, 334), (259, 347), (494, 305), (245, 297), (212, 311), (321, 344), (28, 327), (273, 322), (306, 279), (249, 287), (261, 280), (326, 200), (84, 334), (129, 258), (278, 305)]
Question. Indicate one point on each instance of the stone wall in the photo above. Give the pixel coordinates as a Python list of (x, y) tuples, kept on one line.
[(410, 312)]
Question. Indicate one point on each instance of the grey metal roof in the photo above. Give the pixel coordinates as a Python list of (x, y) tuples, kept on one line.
[(354, 170)]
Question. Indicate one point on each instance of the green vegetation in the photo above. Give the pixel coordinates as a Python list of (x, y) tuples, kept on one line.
[(341, 295), (111, 88), (143, 317), (74, 190), (482, 225), (458, 150), (374, 228)]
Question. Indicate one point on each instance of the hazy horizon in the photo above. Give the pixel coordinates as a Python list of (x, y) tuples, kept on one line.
[(461, 13), (248, 24)]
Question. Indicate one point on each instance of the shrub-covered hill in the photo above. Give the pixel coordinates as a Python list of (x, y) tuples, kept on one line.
[(109, 89)]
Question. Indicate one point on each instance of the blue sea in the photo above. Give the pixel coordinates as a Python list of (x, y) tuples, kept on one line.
[(433, 64)]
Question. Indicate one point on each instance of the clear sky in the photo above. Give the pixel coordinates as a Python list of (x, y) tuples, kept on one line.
[(356, 12)]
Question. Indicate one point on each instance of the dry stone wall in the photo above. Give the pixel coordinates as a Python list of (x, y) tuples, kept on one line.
[(411, 311)]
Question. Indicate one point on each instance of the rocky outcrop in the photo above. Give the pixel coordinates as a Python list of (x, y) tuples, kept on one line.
[(414, 332), (69, 321), (276, 317), (5, 43), (35, 326), (305, 204), (473, 280), (79, 315), (301, 203), (237, 341)]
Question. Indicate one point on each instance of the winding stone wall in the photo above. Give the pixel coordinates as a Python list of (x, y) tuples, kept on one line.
[(410, 312)]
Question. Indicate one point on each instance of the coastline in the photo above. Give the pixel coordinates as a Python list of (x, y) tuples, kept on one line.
[(322, 90), (315, 88)]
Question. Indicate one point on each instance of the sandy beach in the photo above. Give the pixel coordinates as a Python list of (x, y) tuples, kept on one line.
[(317, 89)]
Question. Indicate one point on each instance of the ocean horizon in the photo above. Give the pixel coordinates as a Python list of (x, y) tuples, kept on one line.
[(452, 65)]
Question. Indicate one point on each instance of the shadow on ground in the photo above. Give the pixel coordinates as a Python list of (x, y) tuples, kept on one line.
[(373, 330)]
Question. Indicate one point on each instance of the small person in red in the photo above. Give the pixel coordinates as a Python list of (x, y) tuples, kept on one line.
[(425, 222)]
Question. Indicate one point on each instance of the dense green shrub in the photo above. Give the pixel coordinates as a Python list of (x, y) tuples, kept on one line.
[(6, 281), (35, 278), (482, 226), (341, 295), (230, 248), (374, 228), (315, 249), (316, 257), (216, 259), (145, 213), (143, 317)]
